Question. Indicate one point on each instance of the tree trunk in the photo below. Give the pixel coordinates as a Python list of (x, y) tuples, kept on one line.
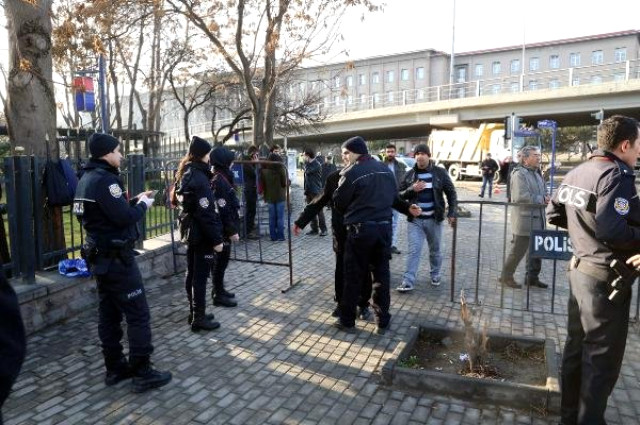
[(31, 106)]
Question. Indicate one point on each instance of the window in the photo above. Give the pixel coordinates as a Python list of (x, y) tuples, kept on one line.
[(420, 73), (533, 85), (574, 59), (404, 75), (362, 79), (515, 87), (390, 76), (375, 78), (376, 98), (515, 66), (597, 57), (336, 81), (496, 68), (554, 84), (390, 97), (620, 54), (496, 88), (479, 70), (534, 64), (350, 81), (554, 62)]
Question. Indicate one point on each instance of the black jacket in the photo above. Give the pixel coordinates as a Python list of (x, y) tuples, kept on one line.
[(228, 204), (199, 205), (312, 178), (442, 185), (366, 191), (598, 204), (102, 206), (12, 338)]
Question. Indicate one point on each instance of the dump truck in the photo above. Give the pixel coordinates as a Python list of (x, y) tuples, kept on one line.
[(462, 149)]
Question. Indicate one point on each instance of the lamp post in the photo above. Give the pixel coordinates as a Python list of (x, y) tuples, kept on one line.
[(453, 42), (552, 125)]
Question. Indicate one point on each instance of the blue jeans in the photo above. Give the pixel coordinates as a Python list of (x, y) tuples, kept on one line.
[(417, 231), (394, 228), (487, 180), (276, 221)]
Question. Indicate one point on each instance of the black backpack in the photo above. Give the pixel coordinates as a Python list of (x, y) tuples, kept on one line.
[(60, 182)]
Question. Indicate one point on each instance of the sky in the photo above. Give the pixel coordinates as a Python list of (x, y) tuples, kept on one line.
[(409, 25)]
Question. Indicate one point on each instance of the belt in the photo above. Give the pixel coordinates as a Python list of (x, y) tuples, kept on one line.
[(596, 271), (373, 223)]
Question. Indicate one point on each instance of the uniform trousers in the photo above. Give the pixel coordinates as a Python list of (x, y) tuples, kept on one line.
[(339, 242), (219, 267), (596, 339), (199, 260), (367, 244)]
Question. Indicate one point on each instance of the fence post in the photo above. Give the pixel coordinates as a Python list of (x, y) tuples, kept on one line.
[(24, 219), (136, 185)]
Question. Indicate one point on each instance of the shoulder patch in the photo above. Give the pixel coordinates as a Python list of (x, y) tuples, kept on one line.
[(222, 202), (204, 203), (621, 205), (115, 190)]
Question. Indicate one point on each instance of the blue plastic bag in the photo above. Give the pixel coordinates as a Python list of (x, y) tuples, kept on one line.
[(75, 267)]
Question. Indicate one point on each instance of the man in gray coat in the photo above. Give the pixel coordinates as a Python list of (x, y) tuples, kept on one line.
[(527, 187)]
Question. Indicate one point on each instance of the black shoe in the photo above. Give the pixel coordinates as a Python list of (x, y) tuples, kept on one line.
[(336, 312), (209, 316), (323, 233), (348, 329), (537, 283), (147, 378), (227, 293), (364, 313), (253, 236), (312, 232), (481, 195), (222, 301), (381, 330), (204, 324), (116, 376), (510, 282), (395, 250)]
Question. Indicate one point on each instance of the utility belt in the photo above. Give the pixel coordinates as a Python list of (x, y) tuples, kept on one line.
[(356, 227), (118, 248), (618, 276)]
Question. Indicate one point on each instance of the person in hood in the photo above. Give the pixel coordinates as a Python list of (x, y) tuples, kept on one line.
[(228, 206), (200, 228)]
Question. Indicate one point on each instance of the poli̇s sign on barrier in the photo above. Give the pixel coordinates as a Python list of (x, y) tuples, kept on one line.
[(551, 244)]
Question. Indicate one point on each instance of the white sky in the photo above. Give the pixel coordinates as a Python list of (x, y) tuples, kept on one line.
[(408, 25)]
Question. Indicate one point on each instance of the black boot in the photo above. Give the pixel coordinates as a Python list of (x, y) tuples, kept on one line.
[(209, 316), (203, 323), (224, 301), (118, 370), (227, 293), (145, 377)]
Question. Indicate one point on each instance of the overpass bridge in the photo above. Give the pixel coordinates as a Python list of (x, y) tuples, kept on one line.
[(567, 96)]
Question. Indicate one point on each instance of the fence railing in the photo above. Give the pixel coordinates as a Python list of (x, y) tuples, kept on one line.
[(39, 236)]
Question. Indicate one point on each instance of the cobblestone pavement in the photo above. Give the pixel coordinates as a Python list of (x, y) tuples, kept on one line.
[(277, 360)]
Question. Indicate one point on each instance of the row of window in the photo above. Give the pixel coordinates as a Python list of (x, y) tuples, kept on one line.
[(375, 77), (575, 59), (390, 97)]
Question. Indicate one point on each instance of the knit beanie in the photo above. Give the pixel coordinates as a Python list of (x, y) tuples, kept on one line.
[(199, 147), (221, 157), (356, 145), (422, 148), (101, 144)]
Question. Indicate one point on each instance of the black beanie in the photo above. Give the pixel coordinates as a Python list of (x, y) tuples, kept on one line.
[(101, 144), (422, 148), (221, 157), (199, 147), (356, 145)]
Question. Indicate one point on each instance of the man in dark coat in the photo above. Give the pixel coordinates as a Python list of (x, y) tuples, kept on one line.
[(312, 188)]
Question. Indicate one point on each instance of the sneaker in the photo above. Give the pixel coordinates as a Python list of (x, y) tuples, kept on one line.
[(395, 250), (435, 281), (364, 313), (405, 287)]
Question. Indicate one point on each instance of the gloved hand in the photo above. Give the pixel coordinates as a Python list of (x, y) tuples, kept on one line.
[(148, 201)]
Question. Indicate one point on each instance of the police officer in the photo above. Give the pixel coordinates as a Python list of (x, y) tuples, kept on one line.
[(228, 206), (110, 223), (598, 204), (201, 227), (364, 196)]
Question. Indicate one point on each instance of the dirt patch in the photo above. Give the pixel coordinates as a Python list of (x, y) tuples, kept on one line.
[(510, 362)]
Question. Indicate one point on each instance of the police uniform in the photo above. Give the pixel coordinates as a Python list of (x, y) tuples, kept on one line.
[(228, 206), (598, 204), (110, 223), (201, 226), (364, 196)]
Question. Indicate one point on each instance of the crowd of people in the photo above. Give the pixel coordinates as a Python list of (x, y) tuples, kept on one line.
[(597, 203)]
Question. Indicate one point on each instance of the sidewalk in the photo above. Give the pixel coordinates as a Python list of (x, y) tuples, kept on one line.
[(277, 359)]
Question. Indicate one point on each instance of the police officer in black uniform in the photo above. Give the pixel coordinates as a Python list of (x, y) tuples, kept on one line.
[(228, 206), (364, 196), (201, 229), (110, 222), (597, 202)]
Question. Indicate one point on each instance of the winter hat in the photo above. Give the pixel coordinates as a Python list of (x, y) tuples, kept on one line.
[(356, 145), (274, 157), (422, 148), (221, 157), (101, 144), (199, 147)]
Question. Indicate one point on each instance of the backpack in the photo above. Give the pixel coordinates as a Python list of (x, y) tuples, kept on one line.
[(60, 182)]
